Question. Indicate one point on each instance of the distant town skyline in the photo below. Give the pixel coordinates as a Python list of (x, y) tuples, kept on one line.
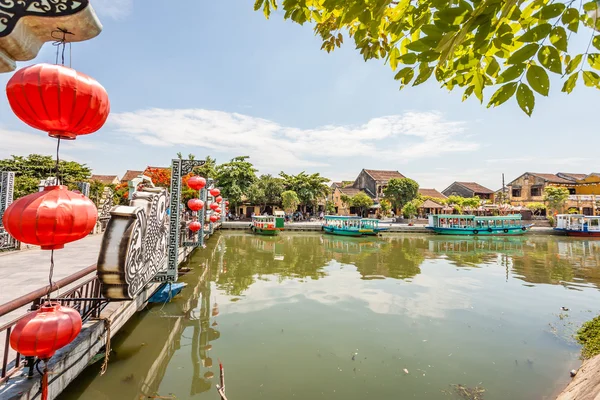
[(220, 80)]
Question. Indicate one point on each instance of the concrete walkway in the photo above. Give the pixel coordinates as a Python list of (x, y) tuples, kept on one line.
[(24, 271)]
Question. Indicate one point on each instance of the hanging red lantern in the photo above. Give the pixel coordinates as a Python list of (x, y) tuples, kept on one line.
[(50, 218), (215, 192), (196, 183), (213, 206), (219, 199), (195, 226), (195, 204), (214, 218), (218, 210), (226, 202), (42, 332), (58, 100)]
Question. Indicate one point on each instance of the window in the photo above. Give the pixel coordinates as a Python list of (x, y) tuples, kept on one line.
[(536, 191), (571, 190), (516, 193)]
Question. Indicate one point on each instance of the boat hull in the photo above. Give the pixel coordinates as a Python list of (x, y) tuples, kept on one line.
[(483, 232), (341, 232), (574, 233), (265, 232)]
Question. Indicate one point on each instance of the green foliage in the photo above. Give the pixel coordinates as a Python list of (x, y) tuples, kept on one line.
[(466, 44), (385, 207), (411, 208), (208, 170), (536, 208), (589, 337), (255, 194), (400, 191), (35, 167), (362, 201), (556, 197), (330, 208), (346, 200), (235, 178), (290, 201), (309, 188)]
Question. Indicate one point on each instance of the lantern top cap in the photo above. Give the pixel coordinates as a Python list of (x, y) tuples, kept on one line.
[(55, 187)]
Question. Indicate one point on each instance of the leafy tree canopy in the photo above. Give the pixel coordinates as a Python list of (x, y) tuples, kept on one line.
[(513, 46), (309, 188), (235, 177), (290, 201), (30, 170), (400, 191), (361, 201), (556, 197)]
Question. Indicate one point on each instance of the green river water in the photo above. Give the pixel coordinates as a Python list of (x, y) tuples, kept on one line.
[(309, 316)]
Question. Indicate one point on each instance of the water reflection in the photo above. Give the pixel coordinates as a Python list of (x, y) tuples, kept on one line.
[(455, 307)]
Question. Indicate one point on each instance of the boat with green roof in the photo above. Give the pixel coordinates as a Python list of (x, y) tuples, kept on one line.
[(449, 224)]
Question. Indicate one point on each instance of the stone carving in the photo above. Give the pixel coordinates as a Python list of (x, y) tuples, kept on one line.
[(25, 25), (179, 168), (7, 186), (134, 246)]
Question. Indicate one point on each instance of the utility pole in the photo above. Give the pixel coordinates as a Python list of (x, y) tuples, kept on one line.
[(503, 189)]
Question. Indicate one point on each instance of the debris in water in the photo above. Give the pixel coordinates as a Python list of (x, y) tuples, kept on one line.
[(564, 308), (127, 379), (573, 373), (468, 393), (405, 371)]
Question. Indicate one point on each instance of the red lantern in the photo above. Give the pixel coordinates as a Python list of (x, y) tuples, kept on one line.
[(195, 226), (214, 218), (42, 332), (50, 218), (219, 199), (196, 183), (195, 204), (58, 100), (213, 206), (215, 192), (218, 210), (226, 202)]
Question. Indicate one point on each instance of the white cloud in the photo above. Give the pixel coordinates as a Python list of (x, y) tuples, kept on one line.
[(116, 9), (273, 146)]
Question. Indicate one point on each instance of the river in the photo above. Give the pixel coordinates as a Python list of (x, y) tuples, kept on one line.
[(311, 316)]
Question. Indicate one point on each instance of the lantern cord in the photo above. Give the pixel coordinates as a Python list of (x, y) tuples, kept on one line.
[(56, 168), (50, 274), (60, 36)]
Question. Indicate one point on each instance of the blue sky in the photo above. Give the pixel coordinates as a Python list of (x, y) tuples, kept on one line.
[(216, 78)]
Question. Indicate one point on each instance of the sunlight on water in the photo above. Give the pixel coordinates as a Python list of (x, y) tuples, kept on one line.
[(310, 316)]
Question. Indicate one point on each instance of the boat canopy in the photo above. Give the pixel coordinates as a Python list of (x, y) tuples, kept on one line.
[(263, 218), (578, 222), (474, 221)]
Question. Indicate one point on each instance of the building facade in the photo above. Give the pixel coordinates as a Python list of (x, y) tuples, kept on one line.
[(469, 189)]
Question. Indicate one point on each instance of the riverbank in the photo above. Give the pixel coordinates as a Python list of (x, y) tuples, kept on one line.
[(392, 227), (586, 384)]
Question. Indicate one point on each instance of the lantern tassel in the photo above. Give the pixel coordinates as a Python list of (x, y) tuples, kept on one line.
[(45, 381)]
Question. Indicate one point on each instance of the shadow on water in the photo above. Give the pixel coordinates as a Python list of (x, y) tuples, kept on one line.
[(269, 304)]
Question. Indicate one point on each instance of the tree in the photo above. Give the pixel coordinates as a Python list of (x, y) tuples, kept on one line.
[(161, 177), (471, 202), (536, 208), (556, 197), (208, 170), (30, 170), (330, 208), (290, 201), (411, 208), (346, 200), (385, 207), (400, 191), (469, 44), (234, 178), (273, 187), (309, 188), (361, 201), (455, 200), (256, 194)]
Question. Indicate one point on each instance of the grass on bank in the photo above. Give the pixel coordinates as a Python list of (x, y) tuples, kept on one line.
[(589, 337)]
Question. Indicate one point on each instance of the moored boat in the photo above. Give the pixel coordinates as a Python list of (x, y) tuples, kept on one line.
[(370, 227), (448, 224), (341, 225), (578, 225), (264, 225)]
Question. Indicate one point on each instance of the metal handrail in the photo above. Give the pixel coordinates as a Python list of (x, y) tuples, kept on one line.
[(85, 297), (39, 293)]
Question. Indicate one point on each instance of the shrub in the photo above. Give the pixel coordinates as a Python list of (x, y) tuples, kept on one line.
[(589, 336)]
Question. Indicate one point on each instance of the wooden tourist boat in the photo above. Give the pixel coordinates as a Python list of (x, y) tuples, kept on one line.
[(343, 226), (370, 227), (264, 225), (578, 225), (476, 225)]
